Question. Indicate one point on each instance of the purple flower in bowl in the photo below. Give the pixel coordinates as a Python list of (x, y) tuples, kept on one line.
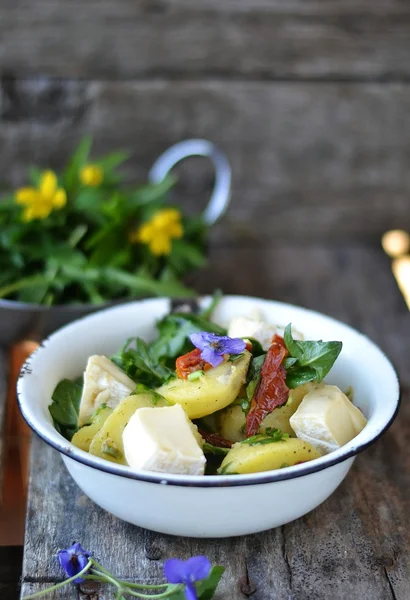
[(213, 347), (187, 572)]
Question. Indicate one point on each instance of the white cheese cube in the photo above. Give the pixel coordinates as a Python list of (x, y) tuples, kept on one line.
[(245, 327), (327, 419), (104, 383), (162, 440)]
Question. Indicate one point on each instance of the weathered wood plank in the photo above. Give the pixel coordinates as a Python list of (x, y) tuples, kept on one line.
[(356, 545), (318, 161), (128, 39), (3, 399)]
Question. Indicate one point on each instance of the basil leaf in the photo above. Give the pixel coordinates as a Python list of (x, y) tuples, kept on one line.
[(65, 407), (289, 362), (319, 355), (296, 376)]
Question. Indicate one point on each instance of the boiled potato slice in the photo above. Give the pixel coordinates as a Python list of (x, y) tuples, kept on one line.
[(245, 458), (83, 438), (231, 423), (107, 443), (231, 420), (213, 391)]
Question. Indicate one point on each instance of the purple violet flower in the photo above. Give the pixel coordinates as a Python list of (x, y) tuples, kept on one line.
[(187, 572), (215, 346), (73, 560)]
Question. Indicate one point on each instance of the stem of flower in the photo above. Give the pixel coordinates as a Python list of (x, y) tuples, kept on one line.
[(59, 585), (107, 577), (143, 586), (123, 587)]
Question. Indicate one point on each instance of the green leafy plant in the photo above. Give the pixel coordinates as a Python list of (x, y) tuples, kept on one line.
[(86, 236), (308, 361)]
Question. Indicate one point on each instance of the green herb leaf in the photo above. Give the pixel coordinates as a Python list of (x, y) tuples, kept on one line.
[(311, 356), (225, 470), (207, 587), (65, 407), (296, 376), (111, 449), (289, 361), (257, 349), (211, 449), (254, 375), (140, 365), (270, 436), (245, 405)]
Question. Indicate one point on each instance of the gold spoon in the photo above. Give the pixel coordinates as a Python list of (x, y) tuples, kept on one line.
[(396, 244)]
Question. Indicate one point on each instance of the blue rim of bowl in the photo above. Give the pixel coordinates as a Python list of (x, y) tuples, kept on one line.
[(222, 480)]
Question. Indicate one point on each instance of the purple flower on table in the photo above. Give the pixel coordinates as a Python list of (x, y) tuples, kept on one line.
[(187, 572), (213, 346), (73, 560)]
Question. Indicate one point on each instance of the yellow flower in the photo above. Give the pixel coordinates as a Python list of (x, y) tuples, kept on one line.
[(41, 201), (158, 233), (91, 175)]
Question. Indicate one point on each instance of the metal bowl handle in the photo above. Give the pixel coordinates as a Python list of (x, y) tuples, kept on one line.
[(221, 193)]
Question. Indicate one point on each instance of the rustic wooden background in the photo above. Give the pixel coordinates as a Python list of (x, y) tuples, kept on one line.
[(310, 99)]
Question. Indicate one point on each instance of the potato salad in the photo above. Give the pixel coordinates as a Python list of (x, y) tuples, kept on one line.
[(206, 399)]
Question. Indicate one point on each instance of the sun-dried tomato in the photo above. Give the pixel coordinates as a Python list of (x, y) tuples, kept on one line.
[(278, 339), (188, 363), (272, 391), (215, 439)]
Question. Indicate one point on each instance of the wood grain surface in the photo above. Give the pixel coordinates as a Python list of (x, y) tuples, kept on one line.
[(355, 546), (310, 161), (251, 39)]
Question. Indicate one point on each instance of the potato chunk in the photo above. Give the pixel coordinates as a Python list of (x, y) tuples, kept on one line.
[(213, 391), (245, 458), (231, 420), (107, 443), (83, 438)]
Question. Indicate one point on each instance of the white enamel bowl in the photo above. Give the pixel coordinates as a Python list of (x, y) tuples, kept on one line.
[(214, 506)]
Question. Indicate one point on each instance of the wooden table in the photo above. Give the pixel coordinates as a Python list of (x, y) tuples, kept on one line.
[(353, 547)]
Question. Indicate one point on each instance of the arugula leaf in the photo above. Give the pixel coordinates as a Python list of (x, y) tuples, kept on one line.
[(65, 407), (313, 359), (254, 376), (140, 365)]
